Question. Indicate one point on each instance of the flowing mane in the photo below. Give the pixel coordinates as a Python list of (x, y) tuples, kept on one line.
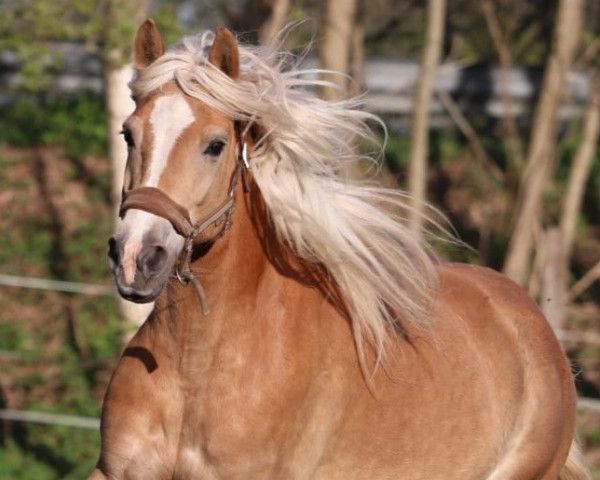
[(385, 272)]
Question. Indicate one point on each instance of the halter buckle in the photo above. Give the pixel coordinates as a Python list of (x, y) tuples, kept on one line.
[(245, 156)]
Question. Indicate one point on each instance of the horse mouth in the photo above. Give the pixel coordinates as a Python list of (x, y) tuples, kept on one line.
[(141, 290), (135, 295)]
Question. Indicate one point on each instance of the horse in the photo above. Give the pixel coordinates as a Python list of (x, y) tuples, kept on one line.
[(301, 329)]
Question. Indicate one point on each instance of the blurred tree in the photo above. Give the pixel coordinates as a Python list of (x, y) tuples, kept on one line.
[(340, 48), (341, 52), (121, 18), (28, 29), (105, 27), (510, 129), (279, 11), (567, 35), (582, 163), (556, 245), (417, 180), (257, 20)]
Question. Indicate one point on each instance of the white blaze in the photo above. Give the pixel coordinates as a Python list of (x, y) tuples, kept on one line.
[(130, 252), (170, 117)]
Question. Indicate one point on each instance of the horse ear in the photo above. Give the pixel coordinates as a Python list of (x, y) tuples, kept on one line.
[(224, 53), (148, 45)]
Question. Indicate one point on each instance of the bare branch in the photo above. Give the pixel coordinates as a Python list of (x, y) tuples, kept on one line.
[(513, 144), (436, 14), (580, 169), (584, 282), (471, 135), (538, 166)]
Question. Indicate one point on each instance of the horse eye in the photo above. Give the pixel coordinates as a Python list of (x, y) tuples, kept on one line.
[(128, 138), (215, 148)]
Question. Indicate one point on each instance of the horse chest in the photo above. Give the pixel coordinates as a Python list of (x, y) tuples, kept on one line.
[(242, 423), (241, 443), (256, 414)]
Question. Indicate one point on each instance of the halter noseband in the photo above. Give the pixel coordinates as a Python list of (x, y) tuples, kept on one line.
[(157, 202)]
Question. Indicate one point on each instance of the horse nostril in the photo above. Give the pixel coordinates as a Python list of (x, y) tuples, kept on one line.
[(113, 253), (152, 261)]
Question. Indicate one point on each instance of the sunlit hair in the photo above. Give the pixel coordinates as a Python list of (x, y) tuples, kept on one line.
[(357, 231)]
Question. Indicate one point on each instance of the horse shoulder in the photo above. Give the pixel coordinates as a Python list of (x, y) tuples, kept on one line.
[(141, 418)]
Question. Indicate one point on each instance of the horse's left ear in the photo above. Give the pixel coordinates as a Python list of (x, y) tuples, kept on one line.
[(148, 45), (224, 53)]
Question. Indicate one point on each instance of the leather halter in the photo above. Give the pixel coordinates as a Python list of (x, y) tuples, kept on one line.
[(157, 202)]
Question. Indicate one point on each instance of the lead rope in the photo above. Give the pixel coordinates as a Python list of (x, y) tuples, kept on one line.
[(183, 271)]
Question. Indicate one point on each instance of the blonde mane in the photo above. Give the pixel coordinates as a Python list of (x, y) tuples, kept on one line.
[(356, 231)]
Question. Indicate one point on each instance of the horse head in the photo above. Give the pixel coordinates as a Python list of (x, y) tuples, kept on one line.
[(182, 167)]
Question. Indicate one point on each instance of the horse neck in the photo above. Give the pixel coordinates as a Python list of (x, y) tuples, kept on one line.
[(254, 289), (229, 272)]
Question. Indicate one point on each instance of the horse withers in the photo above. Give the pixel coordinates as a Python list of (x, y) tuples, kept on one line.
[(301, 330)]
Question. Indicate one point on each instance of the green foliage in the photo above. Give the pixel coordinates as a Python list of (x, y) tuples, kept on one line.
[(525, 28), (55, 452), (29, 27), (17, 463), (106, 27), (32, 455), (78, 123), (166, 20), (62, 346), (590, 211), (396, 151), (11, 336)]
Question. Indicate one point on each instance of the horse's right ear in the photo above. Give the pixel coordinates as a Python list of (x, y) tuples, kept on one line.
[(148, 45), (224, 53)]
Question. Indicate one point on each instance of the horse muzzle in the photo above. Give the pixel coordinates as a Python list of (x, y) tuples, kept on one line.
[(141, 265)]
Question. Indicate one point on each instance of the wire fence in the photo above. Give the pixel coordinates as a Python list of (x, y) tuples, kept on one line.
[(48, 418), (55, 285)]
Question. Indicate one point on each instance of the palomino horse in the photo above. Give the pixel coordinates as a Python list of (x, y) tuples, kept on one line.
[(300, 330)]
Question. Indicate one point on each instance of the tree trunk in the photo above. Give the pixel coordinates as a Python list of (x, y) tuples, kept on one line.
[(336, 48), (356, 63), (560, 240), (580, 169), (342, 56), (584, 282), (417, 180), (280, 10), (553, 299), (121, 16), (512, 141), (567, 34), (119, 106)]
